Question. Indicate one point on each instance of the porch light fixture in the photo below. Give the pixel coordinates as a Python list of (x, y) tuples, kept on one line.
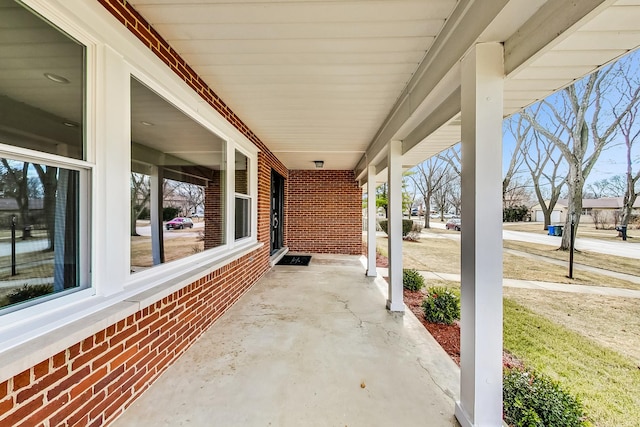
[(319, 164), (56, 78)]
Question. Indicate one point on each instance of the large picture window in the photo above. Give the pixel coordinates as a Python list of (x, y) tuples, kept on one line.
[(42, 109), (177, 182)]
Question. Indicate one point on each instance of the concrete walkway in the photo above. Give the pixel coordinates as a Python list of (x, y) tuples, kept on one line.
[(307, 346), (532, 284)]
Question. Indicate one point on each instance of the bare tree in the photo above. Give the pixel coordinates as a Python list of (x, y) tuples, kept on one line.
[(517, 193), (428, 177), (579, 110), (614, 186), (49, 178), (543, 160), (453, 158), (630, 131), (140, 195), (519, 128), (442, 194), (455, 194), (193, 195), (16, 175)]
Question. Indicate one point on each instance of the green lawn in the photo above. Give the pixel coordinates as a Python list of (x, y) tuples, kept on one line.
[(607, 383)]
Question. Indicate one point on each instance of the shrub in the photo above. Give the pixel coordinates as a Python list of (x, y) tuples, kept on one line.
[(441, 305), (515, 213), (27, 292), (407, 226), (169, 213), (412, 280), (534, 400)]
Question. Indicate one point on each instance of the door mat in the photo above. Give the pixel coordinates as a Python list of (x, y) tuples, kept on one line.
[(295, 260)]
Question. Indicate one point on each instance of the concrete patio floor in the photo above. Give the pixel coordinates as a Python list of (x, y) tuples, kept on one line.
[(307, 346)]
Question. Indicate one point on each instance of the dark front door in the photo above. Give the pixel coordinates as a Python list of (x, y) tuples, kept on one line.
[(277, 211)]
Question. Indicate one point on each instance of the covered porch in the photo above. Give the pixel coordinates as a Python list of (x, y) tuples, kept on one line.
[(307, 346), (306, 103)]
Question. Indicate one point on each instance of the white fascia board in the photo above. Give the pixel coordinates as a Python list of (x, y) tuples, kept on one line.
[(468, 21), (551, 24)]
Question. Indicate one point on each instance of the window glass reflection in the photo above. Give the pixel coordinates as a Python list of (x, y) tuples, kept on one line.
[(38, 230), (41, 84), (177, 182)]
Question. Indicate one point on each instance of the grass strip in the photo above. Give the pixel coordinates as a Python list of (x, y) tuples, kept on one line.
[(593, 259)]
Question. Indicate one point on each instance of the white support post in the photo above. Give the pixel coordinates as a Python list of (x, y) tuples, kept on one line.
[(481, 318), (394, 170), (157, 242), (371, 221)]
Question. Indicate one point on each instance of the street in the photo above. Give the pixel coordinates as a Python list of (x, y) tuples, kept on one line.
[(615, 248)]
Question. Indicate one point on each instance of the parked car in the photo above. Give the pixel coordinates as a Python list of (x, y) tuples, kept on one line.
[(454, 224), (179, 223)]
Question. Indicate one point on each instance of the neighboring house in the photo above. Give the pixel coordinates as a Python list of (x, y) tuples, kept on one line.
[(560, 210), (281, 112)]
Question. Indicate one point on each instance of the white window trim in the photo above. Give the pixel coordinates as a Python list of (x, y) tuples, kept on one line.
[(179, 98), (35, 333)]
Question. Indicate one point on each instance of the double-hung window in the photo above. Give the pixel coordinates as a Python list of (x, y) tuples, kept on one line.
[(44, 175)]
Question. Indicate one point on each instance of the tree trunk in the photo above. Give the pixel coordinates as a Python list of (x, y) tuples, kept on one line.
[(574, 210), (427, 210)]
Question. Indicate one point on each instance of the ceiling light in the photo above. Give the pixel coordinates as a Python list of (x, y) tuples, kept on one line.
[(70, 124), (319, 164), (56, 78), (146, 123)]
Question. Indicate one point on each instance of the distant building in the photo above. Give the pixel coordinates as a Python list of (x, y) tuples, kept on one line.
[(560, 210)]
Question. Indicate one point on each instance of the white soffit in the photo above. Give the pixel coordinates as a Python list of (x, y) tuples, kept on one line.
[(611, 32), (316, 80), (313, 79)]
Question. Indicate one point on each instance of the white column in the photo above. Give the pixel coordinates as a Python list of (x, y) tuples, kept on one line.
[(481, 318), (394, 169), (157, 232), (371, 221)]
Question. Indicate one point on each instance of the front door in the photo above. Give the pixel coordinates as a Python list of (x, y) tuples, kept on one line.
[(277, 211)]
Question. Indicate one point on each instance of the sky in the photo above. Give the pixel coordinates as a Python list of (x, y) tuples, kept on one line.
[(612, 160)]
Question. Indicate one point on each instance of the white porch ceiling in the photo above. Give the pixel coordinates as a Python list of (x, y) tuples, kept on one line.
[(335, 80), (313, 79)]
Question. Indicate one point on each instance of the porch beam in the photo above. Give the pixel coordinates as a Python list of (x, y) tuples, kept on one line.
[(551, 24), (394, 227), (465, 25), (371, 221), (481, 241)]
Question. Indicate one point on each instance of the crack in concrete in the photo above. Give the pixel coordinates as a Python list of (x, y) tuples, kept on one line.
[(444, 390)]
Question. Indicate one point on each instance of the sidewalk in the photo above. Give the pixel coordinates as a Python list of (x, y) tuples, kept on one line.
[(532, 284)]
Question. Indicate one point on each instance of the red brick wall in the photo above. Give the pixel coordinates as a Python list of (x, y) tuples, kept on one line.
[(93, 381), (214, 220), (324, 212)]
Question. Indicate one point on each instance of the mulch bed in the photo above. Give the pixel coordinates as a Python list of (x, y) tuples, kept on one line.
[(448, 336)]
